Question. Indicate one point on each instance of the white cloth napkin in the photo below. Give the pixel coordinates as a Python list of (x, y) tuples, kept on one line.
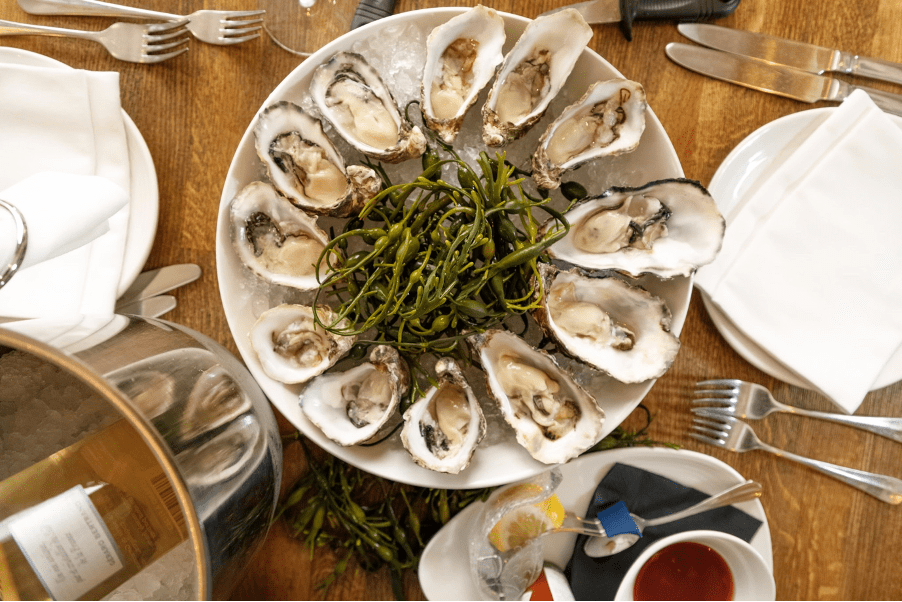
[(67, 121), (810, 266)]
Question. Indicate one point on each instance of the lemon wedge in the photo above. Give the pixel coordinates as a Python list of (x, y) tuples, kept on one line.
[(523, 523)]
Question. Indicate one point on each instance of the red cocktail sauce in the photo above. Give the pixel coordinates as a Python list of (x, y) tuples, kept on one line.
[(684, 571)]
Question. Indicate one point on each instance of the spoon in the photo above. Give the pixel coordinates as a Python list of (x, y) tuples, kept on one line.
[(599, 546)]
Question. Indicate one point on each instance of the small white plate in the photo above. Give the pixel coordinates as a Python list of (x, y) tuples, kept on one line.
[(143, 194), (499, 459), (753, 159), (444, 569)]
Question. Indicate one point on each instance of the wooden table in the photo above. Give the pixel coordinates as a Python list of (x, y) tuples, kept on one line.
[(829, 541)]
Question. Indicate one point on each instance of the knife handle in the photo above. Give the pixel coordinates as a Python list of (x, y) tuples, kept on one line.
[(372, 10), (681, 10)]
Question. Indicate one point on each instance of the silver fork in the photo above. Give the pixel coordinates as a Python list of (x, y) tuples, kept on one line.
[(125, 41), (742, 399), (221, 27), (735, 435)]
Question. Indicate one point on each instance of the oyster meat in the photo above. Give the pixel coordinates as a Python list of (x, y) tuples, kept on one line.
[(461, 57), (619, 328), (532, 74), (352, 96), (668, 228), (553, 417), (441, 430), (608, 120), (350, 407), (305, 166), (292, 348), (278, 241)]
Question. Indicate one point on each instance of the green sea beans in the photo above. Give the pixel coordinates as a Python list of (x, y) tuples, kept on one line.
[(428, 261)]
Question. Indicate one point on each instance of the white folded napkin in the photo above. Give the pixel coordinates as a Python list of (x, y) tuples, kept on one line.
[(809, 268), (67, 121)]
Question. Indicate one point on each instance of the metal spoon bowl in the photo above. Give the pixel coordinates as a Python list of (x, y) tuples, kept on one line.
[(599, 546)]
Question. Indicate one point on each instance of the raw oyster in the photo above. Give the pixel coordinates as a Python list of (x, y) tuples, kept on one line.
[(351, 95), (668, 228), (278, 241), (532, 74), (292, 348), (350, 407), (461, 56), (617, 327), (608, 120), (442, 429), (554, 418), (305, 166)]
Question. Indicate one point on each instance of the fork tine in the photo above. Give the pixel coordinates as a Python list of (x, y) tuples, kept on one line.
[(234, 31), (722, 382), (156, 49), (714, 422), (233, 24), (722, 393), (167, 26), (226, 41), (716, 412), (157, 58), (706, 439), (162, 37), (234, 14)]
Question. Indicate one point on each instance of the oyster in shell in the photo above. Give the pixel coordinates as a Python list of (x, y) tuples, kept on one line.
[(351, 407), (442, 429), (351, 95), (461, 56), (668, 228), (532, 74), (608, 120), (553, 417), (278, 241), (305, 166), (619, 328), (292, 348)]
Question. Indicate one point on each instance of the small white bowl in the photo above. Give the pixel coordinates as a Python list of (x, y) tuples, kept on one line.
[(752, 580)]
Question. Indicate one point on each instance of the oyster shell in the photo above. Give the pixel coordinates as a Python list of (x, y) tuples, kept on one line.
[(291, 347), (668, 228), (461, 56), (305, 166), (442, 429), (278, 241), (351, 407), (554, 418), (351, 95), (532, 74), (619, 328), (608, 120)]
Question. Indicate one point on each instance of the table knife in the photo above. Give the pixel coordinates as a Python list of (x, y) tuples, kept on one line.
[(154, 282), (808, 57), (626, 11), (776, 79), (153, 307), (372, 10)]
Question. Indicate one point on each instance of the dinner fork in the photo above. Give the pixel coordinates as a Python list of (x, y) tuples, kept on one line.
[(743, 399), (221, 27), (735, 435), (125, 41)]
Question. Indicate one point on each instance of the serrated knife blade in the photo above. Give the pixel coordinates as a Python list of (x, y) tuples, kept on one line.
[(808, 57), (776, 79)]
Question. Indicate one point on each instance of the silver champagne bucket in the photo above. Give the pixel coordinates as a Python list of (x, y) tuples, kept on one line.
[(204, 417)]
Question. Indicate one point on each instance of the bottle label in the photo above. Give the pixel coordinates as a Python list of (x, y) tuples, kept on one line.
[(67, 544)]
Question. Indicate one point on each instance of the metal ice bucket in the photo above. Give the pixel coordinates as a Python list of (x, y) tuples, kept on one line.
[(205, 419)]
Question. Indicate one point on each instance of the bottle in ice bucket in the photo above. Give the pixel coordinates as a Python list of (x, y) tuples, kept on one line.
[(79, 523)]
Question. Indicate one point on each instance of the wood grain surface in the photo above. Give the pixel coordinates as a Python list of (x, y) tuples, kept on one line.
[(830, 542)]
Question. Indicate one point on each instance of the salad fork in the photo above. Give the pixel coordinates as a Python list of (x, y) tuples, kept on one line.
[(733, 397), (735, 435), (220, 27), (129, 42)]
